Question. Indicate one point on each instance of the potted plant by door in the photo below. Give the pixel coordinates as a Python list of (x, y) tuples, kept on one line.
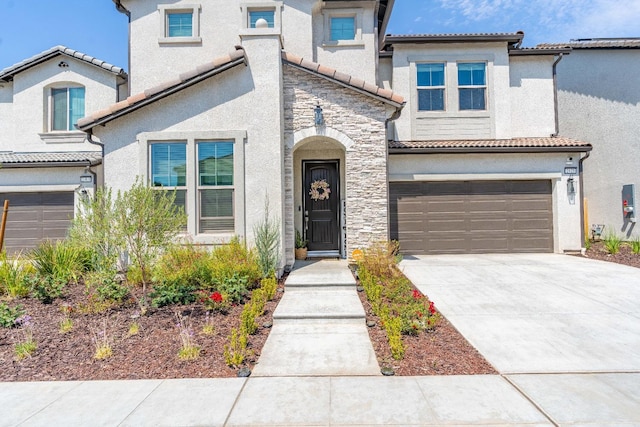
[(301, 246)]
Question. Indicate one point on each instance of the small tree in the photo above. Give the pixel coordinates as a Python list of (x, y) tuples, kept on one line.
[(148, 221), (267, 240)]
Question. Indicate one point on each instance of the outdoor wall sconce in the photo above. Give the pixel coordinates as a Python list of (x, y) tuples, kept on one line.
[(319, 117), (571, 187)]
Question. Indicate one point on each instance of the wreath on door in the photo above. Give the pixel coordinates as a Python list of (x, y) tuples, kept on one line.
[(319, 190)]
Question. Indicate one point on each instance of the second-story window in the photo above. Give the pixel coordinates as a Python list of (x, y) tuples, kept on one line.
[(67, 107), (179, 24), (342, 28), (267, 15), (472, 86), (431, 87)]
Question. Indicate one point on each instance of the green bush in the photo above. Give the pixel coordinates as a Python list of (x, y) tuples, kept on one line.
[(187, 265), (235, 287), (270, 286), (112, 291), (168, 293), (267, 239), (46, 288), (612, 243), (635, 245), (233, 259), (13, 276), (9, 315), (61, 261)]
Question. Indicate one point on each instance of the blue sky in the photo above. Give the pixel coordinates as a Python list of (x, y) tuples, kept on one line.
[(96, 28)]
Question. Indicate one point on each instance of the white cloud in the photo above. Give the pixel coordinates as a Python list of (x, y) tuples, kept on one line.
[(418, 19)]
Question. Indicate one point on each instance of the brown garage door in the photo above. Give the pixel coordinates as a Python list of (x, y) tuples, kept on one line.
[(472, 216), (34, 217)]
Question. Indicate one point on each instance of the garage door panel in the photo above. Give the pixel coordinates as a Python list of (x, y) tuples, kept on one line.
[(34, 217), (473, 217)]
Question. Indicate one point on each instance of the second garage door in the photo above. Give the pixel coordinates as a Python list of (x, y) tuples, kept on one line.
[(472, 216), (34, 217)]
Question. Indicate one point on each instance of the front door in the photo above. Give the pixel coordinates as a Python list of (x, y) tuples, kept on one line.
[(321, 195)]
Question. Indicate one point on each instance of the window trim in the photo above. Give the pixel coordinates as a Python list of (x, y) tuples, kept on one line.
[(343, 13), (443, 87), (484, 86), (192, 138), (166, 9), (247, 8)]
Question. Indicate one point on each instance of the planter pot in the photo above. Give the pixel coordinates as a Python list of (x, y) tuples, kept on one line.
[(301, 253)]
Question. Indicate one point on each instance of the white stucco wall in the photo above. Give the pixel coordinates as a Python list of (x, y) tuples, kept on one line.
[(495, 122), (28, 113), (456, 167), (599, 102), (243, 99), (220, 27), (532, 99)]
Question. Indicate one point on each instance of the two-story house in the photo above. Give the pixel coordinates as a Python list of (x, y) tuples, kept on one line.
[(443, 142), (46, 164), (599, 101)]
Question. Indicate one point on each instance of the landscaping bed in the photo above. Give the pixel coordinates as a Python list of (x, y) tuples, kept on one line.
[(625, 255)]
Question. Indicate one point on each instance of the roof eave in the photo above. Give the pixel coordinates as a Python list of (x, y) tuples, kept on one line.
[(503, 150), (160, 95), (348, 86), (533, 52), (26, 165), (453, 38)]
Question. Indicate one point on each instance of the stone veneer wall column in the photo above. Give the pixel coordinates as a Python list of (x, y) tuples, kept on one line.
[(359, 118)]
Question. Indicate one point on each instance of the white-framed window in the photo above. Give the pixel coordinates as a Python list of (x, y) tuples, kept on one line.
[(66, 107), (472, 86), (430, 79), (180, 23), (206, 170), (215, 186), (342, 27), (270, 11)]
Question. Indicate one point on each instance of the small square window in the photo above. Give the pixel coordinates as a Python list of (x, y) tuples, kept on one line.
[(180, 24), (342, 28), (267, 15)]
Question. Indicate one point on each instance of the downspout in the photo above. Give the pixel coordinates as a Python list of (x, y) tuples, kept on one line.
[(555, 96), (125, 11), (582, 224), (101, 145), (396, 114)]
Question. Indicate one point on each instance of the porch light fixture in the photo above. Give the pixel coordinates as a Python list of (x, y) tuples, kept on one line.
[(319, 117), (571, 187)]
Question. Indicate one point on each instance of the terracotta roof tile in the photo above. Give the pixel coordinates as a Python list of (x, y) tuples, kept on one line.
[(184, 80), (80, 157), (596, 43), (8, 73), (487, 144), (343, 78)]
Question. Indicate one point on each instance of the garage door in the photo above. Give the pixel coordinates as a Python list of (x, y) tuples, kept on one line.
[(34, 217), (472, 216)]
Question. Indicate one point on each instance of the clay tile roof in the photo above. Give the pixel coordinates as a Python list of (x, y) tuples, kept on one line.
[(539, 50), (597, 43), (513, 38), (164, 89), (346, 80), (81, 158), (536, 144), (8, 73)]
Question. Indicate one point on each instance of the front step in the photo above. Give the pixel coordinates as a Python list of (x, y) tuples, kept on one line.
[(319, 303)]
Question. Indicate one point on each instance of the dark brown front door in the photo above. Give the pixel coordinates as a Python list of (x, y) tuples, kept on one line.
[(321, 196)]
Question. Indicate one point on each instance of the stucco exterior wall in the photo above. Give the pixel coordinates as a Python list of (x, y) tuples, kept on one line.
[(241, 100), (357, 124), (599, 102), (532, 105), (456, 167), (28, 114), (154, 61), (495, 122)]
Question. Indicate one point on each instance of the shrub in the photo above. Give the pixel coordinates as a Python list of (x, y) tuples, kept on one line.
[(233, 259), (612, 243), (61, 261), (270, 286), (267, 240), (380, 259), (8, 315), (110, 290), (183, 264), (13, 276), (235, 287), (215, 301), (236, 351), (168, 293), (635, 245), (46, 288)]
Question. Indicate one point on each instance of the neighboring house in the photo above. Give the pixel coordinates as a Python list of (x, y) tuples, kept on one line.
[(292, 103), (45, 162), (599, 101)]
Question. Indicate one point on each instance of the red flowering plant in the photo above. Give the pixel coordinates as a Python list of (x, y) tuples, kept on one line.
[(215, 301), (418, 314)]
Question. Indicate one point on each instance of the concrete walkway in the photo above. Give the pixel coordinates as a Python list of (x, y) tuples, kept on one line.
[(319, 326)]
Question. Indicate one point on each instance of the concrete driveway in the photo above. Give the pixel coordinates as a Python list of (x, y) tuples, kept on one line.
[(564, 330)]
